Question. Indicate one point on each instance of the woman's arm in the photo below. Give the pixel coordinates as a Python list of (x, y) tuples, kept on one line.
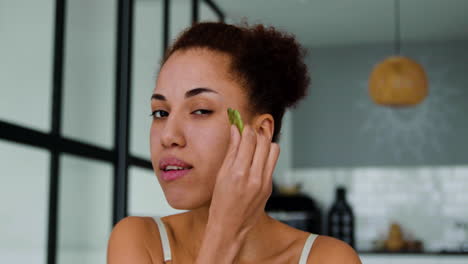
[(243, 185), (219, 246)]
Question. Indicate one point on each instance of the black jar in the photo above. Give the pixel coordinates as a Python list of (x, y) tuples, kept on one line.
[(295, 209)]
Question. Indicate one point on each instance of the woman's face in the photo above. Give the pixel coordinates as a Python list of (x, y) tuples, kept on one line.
[(191, 124)]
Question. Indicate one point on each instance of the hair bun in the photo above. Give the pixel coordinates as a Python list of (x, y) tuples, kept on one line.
[(278, 59)]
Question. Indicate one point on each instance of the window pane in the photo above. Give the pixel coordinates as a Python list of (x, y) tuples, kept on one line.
[(90, 71), (146, 197), (180, 18), (24, 198), (26, 69), (206, 13), (147, 52), (85, 210)]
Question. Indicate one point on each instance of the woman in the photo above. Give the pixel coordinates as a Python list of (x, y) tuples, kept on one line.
[(206, 166)]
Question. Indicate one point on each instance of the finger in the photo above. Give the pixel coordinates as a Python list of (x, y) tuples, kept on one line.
[(233, 146), (244, 156), (260, 157), (271, 162)]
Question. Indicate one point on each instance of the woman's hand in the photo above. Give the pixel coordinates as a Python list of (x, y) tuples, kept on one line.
[(243, 185), (244, 181)]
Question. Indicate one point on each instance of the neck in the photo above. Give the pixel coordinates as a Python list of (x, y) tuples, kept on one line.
[(252, 246)]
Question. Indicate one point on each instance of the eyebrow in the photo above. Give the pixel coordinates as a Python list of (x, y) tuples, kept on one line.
[(188, 94)]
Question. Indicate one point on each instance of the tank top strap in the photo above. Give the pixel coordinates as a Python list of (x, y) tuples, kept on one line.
[(307, 247), (164, 239)]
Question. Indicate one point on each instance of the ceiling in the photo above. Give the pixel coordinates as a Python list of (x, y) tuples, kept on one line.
[(349, 22)]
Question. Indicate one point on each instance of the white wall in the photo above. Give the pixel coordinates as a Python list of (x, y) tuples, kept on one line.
[(435, 196)]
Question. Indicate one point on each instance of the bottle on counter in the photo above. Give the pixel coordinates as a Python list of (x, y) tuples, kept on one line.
[(341, 218)]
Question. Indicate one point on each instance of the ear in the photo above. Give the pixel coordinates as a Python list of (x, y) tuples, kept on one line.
[(265, 125)]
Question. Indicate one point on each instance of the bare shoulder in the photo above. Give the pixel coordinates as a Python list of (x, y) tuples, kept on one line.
[(134, 239), (329, 250)]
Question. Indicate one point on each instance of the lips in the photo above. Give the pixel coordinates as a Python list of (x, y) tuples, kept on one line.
[(171, 175), (173, 161)]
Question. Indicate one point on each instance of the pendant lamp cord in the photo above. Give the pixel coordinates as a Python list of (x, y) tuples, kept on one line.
[(397, 27)]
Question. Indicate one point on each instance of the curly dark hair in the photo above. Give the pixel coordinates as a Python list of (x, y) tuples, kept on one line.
[(269, 63)]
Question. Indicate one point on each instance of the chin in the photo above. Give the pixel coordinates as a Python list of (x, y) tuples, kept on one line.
[(186, 201)]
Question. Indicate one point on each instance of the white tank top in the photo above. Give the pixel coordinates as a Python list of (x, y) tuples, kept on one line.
[(167, 248)]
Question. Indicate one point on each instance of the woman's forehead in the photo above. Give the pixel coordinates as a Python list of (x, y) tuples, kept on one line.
[(189, 69)]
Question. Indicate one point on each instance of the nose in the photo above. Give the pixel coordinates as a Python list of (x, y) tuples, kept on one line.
[(172, 134)]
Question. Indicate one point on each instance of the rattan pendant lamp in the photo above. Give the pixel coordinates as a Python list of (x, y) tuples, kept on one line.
[(398, 81)]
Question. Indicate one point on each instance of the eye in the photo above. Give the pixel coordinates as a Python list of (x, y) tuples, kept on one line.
[(203, 111), (158, 114)]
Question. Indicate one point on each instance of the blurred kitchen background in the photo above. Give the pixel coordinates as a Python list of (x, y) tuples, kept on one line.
[(75, 84)]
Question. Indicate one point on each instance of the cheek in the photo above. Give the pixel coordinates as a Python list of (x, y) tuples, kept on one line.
[(207, 144), (212, 141), (155, 146), (154, 139), (212, 145)]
